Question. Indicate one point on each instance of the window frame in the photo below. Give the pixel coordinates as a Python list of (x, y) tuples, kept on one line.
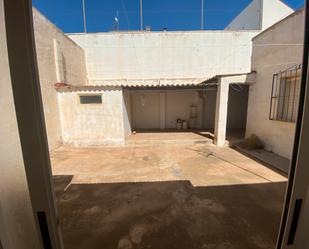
[(80, 96), (289, 77)]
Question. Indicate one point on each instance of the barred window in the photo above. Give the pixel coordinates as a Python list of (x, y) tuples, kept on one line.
[(285, 95)]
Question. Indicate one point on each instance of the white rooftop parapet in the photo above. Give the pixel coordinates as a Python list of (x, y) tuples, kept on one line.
[(260, 15)]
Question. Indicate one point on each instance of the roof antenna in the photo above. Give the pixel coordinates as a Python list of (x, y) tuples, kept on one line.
[(84, 17), (117, 24), (202, 15), (141, 13)]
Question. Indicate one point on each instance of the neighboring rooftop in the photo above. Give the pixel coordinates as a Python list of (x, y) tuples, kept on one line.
[(297, 12), (260, 14)]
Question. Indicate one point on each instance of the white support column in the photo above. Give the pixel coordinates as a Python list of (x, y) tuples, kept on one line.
[(221, 112)]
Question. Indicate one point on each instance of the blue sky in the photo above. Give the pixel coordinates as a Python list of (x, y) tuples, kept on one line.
[(159, 14)]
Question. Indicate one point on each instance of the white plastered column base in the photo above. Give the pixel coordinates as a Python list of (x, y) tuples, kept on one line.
[(221, 113)]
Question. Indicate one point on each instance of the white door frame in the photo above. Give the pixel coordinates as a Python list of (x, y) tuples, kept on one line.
[(30, 119), (292, 233)]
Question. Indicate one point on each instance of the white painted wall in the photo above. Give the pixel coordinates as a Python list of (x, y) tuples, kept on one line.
[(146, 110), (161, 109), (17, 226), (159, 55), (260, 15), (274, 50), (92, 124), (249, 19), (178, 105), (71, 63), (274, 11)]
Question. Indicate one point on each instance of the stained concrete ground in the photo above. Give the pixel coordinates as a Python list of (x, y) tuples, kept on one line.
[(167, 196)]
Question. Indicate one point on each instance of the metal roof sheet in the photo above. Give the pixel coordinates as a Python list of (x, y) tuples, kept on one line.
[(148, 82), (101, 85)]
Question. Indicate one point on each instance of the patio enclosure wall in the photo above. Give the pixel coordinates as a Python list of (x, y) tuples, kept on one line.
[(276, 49), (59, 60), (164, 55)]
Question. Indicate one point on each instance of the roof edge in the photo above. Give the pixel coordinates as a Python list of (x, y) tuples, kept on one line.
[(282, 20)]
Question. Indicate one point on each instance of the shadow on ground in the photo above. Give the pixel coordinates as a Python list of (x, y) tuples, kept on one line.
[(168, 215), (275, 162)]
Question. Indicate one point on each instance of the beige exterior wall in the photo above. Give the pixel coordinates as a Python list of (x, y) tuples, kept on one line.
[(92, 124), (65, 63), (165, 55), (277, 48)]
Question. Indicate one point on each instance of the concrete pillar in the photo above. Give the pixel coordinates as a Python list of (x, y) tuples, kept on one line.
[(221, 113)]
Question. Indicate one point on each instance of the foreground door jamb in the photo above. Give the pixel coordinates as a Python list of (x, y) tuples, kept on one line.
[(30, 118), (298, 183)]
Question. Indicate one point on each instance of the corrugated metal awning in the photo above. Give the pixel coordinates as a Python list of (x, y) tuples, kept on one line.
[(149, 82), (99, 85)]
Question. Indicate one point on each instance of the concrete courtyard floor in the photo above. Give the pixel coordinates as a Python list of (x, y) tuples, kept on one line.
[(167, 196)]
